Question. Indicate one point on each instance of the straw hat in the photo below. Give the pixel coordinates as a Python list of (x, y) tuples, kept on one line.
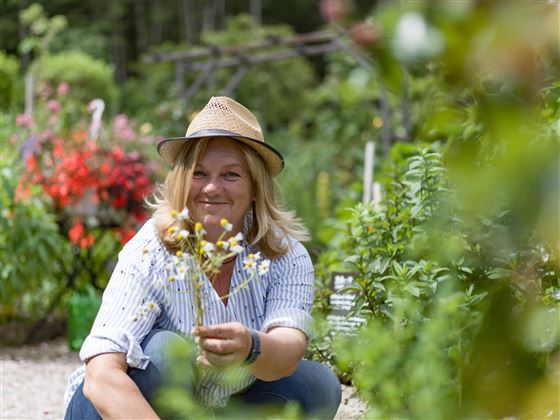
[(224, 117)]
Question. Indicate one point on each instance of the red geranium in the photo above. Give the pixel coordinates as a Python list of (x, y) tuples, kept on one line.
[(82, 177)]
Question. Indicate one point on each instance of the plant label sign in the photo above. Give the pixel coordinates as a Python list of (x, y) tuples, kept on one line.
[(342, 304)]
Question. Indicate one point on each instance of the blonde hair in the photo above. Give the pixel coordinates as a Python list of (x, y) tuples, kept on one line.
[(267, 225)]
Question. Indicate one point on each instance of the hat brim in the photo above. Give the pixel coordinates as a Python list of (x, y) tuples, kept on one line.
[(169, 148)]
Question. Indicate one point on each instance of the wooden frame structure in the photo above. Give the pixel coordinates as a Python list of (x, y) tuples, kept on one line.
[(205, 61)]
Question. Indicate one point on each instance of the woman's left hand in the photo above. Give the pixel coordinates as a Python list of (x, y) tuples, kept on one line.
[(223, 344)]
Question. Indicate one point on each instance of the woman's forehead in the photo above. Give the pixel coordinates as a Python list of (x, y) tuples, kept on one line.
[(222, 151)]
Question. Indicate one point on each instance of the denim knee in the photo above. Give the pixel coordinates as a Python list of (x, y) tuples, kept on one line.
[(156, 346), (327, 389), (313, 386)]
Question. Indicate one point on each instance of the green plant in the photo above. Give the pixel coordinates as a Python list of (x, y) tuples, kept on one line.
[(41, 30), (34, 254), (10, 85), (434, 284), (87, 77)]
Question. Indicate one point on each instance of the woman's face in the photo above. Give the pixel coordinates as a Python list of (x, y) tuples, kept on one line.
[(221, 187)]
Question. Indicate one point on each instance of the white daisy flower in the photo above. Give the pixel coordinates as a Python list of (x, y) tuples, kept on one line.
[(264, 267), (226, 225)]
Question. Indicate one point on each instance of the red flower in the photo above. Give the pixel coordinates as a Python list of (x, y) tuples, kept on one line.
[(88, 241), (125, 234), (76, 232), (31, 162)]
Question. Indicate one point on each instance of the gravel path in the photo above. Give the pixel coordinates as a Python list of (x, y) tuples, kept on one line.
[(33, 380)]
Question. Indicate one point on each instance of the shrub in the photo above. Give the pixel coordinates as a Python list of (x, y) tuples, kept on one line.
[(87, 77), (10, 84), (34, 254), (445, 298)]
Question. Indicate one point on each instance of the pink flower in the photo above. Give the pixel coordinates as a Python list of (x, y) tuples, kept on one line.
[(54, 106), (48, 134), (24, 120), (122, 128), (332, 10), (62, 89)]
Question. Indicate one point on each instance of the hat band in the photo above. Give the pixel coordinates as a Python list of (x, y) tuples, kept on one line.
[(216, 132)]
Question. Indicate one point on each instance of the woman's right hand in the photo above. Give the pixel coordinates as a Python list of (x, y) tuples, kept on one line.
[(112, 392)]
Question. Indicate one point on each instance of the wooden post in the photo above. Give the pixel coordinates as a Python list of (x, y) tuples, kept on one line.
[(369, 164), (376, 195), (29, 93), (180, 77)]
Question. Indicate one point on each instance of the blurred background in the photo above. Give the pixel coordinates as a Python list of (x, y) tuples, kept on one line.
[(421, 141)]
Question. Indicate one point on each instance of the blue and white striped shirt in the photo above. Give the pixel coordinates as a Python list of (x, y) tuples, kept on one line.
[(139, 298)]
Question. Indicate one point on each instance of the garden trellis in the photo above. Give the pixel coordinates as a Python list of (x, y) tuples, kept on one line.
[(204, 62)]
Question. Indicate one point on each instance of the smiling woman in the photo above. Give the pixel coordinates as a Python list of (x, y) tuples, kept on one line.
[(222, 169)]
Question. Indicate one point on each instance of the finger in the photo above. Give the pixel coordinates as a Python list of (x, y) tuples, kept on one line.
[(203, 361), (219, 360), (219, 346), (217, 331)]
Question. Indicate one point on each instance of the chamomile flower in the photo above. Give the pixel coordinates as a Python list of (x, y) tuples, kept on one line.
[(182, 235), (207, 248), (226, 225), (234, 244), (199, 230), (249, 264), (151, 306), (263, 267), (222, 244), (184, 215)]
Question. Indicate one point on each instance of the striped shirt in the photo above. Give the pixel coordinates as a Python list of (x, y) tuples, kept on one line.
[(140, 297)]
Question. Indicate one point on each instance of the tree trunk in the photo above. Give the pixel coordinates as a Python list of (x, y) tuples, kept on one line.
[(209, 17), (188, 24), (220, 14), (140, 25), (256, 11)]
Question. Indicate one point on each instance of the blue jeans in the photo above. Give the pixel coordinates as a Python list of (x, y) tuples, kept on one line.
[(313, 386)]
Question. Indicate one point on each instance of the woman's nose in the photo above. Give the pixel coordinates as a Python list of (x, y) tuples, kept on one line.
[(211, 186)]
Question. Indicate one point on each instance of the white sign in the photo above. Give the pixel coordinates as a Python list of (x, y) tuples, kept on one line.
[(342, 303)]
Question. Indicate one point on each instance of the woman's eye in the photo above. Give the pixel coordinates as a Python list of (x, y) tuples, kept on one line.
[(231, 175), (198, 174)]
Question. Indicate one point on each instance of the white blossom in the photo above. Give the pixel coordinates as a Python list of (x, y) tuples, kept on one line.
[(264, 267), (208, 248), (415, 39)]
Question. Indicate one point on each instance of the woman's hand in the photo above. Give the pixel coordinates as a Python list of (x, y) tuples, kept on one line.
[(223, 345), (228, 344)]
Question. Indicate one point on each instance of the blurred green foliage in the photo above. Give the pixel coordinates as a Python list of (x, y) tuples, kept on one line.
[(10, 83), (463, 253), (39, 28), (154, 97), (87, 77), (276, 98), (31, 246)]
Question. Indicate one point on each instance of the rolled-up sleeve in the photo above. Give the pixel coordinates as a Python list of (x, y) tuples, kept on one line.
[(131, 304), (290, 295)]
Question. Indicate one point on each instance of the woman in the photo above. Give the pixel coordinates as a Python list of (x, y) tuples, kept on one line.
[(222, 169)]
